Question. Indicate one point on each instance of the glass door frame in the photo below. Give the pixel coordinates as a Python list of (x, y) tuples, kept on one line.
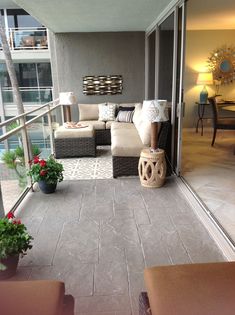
[(177, 108)]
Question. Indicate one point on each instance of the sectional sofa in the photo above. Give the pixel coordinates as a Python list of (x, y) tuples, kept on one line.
[(127, 139)]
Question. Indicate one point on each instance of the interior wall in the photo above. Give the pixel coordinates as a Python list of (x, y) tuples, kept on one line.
[(199, 45), (74, 55)]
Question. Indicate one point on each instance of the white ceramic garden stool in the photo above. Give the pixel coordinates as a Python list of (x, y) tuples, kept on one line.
[(152, 168)]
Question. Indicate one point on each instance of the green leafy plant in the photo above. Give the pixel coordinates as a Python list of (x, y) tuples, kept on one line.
[(14, 159), (14, 238), (48, 170)]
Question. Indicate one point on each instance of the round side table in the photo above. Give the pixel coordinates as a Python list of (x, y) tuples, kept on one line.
[(152, 168)]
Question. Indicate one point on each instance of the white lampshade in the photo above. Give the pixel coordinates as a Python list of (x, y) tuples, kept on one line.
[(155, 110), (67, 98), (205, 78)]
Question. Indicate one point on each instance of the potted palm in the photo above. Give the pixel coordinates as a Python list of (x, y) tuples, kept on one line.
[(47, 173), (14, 241)]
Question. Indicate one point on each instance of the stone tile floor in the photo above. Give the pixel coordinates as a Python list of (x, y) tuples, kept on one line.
[(98, 236)]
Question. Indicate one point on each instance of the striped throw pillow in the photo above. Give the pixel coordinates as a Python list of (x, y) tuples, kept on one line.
[(125, 116)]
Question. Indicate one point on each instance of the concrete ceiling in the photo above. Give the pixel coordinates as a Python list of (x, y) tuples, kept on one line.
[(122, 15), (94, 15), (7, 4)]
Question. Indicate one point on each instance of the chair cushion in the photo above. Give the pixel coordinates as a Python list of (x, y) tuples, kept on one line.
[(88, 111), (121, 125), (125, 142), (63, 132), (194, 289), (97, 125), (31, 297)]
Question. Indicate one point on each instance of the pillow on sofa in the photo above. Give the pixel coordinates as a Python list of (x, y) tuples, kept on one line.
[(88, 111), (125, 116), (107, 111), (143, 127)]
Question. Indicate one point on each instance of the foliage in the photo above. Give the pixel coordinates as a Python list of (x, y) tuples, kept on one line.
[(14, 238), (14, 159), (48, 170)]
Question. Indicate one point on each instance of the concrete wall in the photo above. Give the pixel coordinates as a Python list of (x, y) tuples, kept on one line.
[(74, 55), (199, 45)]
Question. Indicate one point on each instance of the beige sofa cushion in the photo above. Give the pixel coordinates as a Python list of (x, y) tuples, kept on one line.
[(143, 127), (88, 111), (125, 142), (97, 124), (120, 125), (63, 132)]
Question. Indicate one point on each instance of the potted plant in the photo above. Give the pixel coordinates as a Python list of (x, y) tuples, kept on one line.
[(47, 173), (14, 241)]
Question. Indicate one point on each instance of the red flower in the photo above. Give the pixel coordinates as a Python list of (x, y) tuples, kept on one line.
[(10, 215), (43, 163), (36, 160), (16, 222), (43, 173)]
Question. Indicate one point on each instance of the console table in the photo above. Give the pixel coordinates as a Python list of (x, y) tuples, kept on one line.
[(201, 112)]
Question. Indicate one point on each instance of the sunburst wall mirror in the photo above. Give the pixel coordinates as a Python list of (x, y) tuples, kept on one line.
[(221, 63)]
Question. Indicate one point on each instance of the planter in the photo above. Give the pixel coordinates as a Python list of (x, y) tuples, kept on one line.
[(11, 264), (47, 188)]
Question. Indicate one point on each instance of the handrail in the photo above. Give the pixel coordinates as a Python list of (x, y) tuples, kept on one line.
[(17, 129), (29, 88), (6, 122)]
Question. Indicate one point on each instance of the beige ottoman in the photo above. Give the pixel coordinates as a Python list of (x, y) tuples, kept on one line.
[(74, 142)]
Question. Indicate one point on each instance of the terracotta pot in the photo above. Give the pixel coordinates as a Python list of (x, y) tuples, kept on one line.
[(47, 188), (11, 264)]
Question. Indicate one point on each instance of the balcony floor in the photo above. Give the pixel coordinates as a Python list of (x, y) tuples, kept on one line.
[(98, 235)]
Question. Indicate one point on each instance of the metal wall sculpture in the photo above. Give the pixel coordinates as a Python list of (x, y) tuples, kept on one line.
[(222, 64), (102, 85)]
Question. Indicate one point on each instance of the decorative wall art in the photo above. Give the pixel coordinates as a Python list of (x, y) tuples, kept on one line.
[(102, 85), (222, 64)]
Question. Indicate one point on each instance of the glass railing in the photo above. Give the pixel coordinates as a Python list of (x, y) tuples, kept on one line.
[(37, 126), (28, 38), (29, 95)]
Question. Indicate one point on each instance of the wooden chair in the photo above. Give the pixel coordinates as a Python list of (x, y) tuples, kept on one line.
[(219, 122)]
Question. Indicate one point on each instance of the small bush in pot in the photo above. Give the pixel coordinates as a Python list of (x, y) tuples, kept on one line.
[(47, 173), (14, 241)]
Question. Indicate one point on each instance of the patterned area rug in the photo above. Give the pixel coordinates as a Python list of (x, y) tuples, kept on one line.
[(99, 167)]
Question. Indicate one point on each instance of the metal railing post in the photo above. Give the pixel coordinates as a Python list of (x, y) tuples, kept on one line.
[(50, 130), (25, 144)]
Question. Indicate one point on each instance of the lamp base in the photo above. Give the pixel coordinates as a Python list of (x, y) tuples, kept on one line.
[(203, 96), (67, 113)]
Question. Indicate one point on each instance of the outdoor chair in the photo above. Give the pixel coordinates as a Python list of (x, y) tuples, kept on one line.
[(219, 122), (38, 297)]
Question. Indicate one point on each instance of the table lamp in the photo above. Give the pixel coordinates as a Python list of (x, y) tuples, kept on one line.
[(204, 78), (66, 99), (155, 111)]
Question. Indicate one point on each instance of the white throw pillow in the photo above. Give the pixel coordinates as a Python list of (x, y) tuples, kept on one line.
[(143, 127), (107, 111)]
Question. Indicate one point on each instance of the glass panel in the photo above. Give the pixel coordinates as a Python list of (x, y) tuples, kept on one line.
[(20, 18), (39, 136), (151, 65), (12, 169), (32, 96), (166, 49), (44, 74), (29, 39), (208, 169)]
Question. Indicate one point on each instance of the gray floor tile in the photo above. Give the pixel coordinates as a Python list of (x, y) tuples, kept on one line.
[(98, 236)]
